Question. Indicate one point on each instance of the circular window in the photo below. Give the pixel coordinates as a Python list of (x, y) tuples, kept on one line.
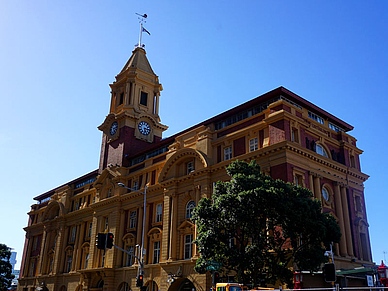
[(325, 194)]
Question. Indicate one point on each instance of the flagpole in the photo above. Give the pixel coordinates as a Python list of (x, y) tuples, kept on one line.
[(141, 30)]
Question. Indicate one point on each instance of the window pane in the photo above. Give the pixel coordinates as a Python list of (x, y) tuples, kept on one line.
[(189, 209)]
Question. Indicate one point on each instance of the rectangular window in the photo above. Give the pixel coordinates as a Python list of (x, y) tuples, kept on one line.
[(253, 144), (86, 261), (32, 267), (298, 180), (69, 261), (159, 212), (106, 223), (358, 204), (73, 233), (227, 153), (335, 127), (190, 167), (316, 117), (51, 263), (188, 246), (35, 244), (129, 260), (156, 252), (294, 135), (135, 185), (143, 98), (76, 207), (90, 229), (132, 219), (352, 161), (121, 98)]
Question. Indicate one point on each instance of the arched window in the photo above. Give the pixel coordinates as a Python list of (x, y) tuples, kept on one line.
[(124, 287), (325, 194), (320, 150), (129, 245), (85, 256), (189, 209), (69, 259)]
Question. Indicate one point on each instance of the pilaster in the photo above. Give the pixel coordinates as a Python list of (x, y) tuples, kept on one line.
[(338, 208), (345, 208)]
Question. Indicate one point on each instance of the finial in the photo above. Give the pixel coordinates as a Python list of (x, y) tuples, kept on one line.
[(142, 20)]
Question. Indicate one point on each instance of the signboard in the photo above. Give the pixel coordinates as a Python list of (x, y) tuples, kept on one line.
[(213, 265), (369, 280)]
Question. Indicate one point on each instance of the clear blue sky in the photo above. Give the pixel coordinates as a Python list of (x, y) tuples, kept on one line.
[(57, 59)]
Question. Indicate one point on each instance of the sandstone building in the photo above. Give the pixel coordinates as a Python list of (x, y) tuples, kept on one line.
[(291, 139)]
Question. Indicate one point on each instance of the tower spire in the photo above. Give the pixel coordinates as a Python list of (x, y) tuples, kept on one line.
[(142, 20)]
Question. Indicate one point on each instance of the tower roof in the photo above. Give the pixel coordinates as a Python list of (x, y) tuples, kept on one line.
[(138, 60)]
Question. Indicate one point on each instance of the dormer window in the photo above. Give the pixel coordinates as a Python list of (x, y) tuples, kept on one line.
[(316, 117), (143, 98)]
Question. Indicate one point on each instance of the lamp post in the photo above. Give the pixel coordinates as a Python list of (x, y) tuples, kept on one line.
[(144, 214)]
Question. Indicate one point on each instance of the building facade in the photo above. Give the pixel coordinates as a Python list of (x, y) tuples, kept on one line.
[(289, 137)]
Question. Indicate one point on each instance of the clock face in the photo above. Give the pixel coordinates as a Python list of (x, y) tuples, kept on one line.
[(113, 128), (144, 128)]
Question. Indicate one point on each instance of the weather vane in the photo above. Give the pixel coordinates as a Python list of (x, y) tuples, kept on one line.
[(142, 20)]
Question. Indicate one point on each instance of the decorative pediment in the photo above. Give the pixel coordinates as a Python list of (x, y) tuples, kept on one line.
[(186, 225), (108, 174), (155, 233), (54, 209), (179, 156), (129, 239)]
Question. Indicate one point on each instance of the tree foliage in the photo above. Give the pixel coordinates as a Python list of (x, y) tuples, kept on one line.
[(5, 268), (259, 227)]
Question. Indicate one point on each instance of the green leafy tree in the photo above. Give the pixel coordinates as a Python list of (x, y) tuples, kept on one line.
[(5, 268), (259, 227)]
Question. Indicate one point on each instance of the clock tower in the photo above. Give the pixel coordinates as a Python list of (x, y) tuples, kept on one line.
[(133, 122)]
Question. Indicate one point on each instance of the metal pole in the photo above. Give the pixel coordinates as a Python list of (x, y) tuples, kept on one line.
[(142, 242), (141, 30)]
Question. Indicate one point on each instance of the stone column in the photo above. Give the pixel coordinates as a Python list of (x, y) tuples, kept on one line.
[(317, 187), (147, 223), (197, 198), (166, 226), (119, 239), (60, 255), (139, 231), (348, 230), (93, 251), (43, 250), (28, 255), (336, 249), (78, 246), (174, 227), (311, 182), (338, 208)]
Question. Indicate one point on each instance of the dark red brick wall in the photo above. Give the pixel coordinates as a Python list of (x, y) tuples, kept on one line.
[(280, 107), (159, 159), (283, 172), (127, 144), (279, 131), (153, 177), (353, 217), (239, 146)]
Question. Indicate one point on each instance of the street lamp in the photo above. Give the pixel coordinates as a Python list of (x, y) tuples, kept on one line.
[(144, 214)]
